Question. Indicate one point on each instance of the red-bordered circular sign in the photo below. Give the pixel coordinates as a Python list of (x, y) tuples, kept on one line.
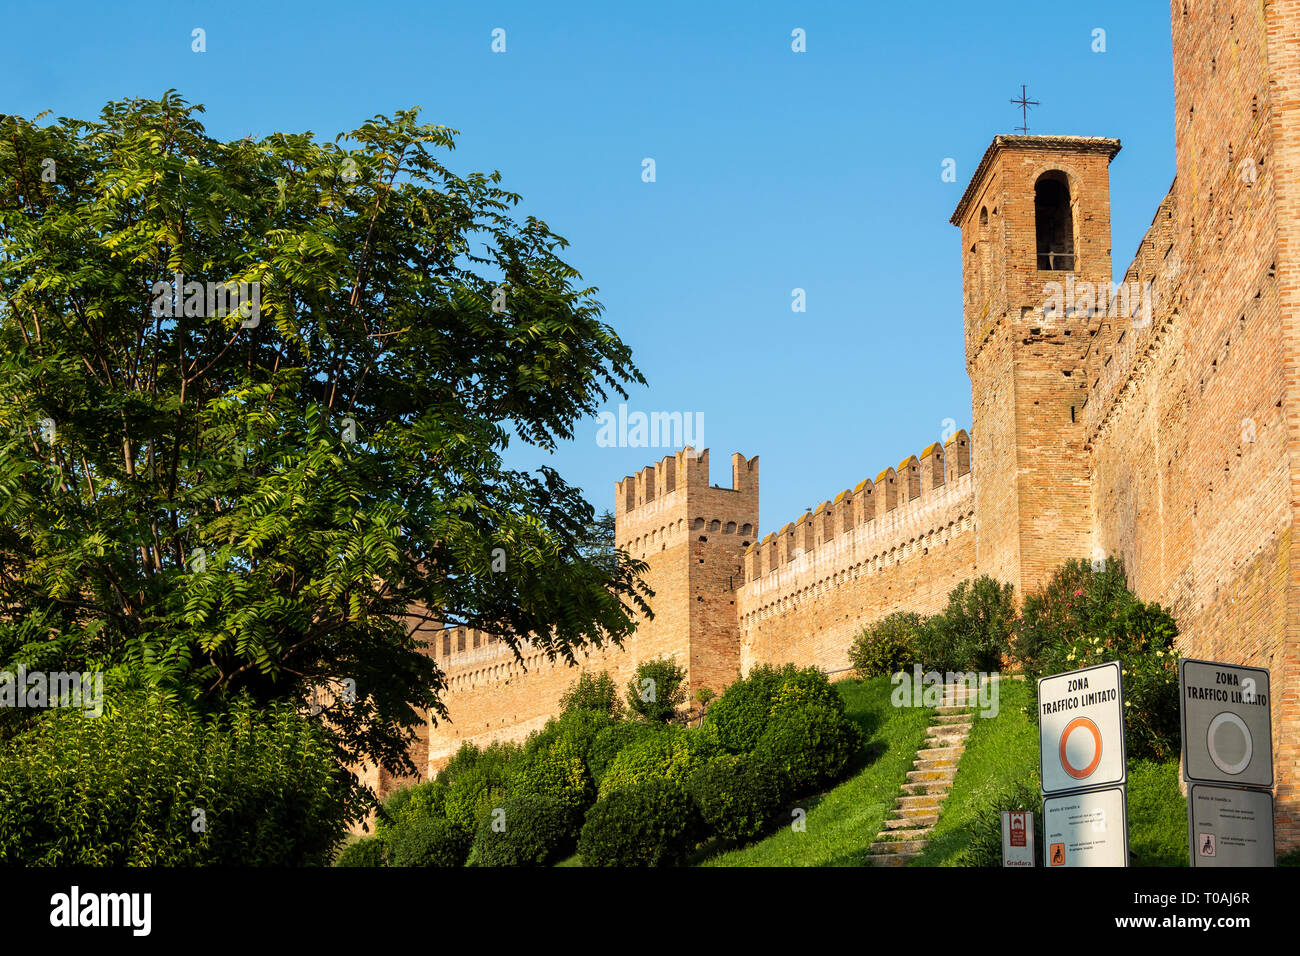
[(1078, 773)]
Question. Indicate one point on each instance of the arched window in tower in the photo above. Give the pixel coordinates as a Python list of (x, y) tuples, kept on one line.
[(1054, 222)]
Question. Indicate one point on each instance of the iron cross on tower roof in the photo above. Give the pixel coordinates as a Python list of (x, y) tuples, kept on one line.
[(1024, 103)]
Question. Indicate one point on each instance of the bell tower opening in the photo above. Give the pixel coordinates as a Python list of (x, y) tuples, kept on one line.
[(1054, 222)]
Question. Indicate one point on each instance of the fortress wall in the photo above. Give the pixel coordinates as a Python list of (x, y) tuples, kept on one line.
[(899, 543), (671, 517), (1193, 468), (1283, 32)]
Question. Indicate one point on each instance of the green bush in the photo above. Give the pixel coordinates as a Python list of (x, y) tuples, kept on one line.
[(580, 727), (477, 782), (1085, 617), (427, 841), (147, 784), (810, 741), (556, 772), (657, 690), (531, 830), (889, 645), (738, 795), (974, 631), (367, 851), (593, 692), (427, 799), (672, 756), (610, 741), (648, 824), (985, 846), (740, 715)]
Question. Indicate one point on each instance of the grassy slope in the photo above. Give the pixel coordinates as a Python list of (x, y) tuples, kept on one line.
[(842, 823), (1004, 749)]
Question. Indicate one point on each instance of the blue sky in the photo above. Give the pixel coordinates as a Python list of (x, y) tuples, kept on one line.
[(775, 170)]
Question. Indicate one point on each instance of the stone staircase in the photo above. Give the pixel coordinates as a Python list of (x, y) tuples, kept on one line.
[(928, 782)]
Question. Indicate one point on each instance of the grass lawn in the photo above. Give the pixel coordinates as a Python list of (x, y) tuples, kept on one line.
[(842, 823)]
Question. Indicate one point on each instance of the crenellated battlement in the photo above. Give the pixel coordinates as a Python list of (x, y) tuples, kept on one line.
[(663, 502), (873, 510)]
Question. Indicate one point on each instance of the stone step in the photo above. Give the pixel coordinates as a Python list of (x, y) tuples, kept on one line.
[(899, 846), (943, 763), (946, 733), (904, 834), (931, 776), (929, 801), (955, 718), (939, 753), (923, 817), (948, 710), (931, 788), (891, 859)]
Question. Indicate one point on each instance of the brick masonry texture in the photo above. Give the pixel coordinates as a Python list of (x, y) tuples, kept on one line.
[(1169, 435)]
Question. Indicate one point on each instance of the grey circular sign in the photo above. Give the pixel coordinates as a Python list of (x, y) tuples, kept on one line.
[(1229, 743)]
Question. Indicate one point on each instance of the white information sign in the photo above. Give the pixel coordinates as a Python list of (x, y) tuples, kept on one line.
[(1081, 729), (1230, 827), (1089, 828)]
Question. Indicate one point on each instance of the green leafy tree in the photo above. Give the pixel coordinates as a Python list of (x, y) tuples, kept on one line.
[(592, 692), (974, 631), (213, 499), (657, 689)]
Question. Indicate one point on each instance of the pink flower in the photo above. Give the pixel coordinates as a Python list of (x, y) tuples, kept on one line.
[(1078, 594)]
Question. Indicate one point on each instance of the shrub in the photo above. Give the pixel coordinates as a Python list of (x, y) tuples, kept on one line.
[(428, 841), (974, 631), (479, 782), (427, 799), (120, 789), (657, 690), (1086, 616), (593, 692), (610, 741), (810, 741), (738, 796), (985, 846), (579, 727), (368, 851), (740, 715), (668, 756), (557, 772), (532, 830), (889, 645), (647, 824)]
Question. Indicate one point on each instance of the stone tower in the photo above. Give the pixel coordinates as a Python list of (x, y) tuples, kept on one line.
[(693, 536), (1035, 229)]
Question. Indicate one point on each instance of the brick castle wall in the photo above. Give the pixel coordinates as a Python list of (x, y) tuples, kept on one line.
[(1164, 427)]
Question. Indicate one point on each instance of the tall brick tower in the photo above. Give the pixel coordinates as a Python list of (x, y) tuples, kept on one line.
[(693, 536), (1036, 213)]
